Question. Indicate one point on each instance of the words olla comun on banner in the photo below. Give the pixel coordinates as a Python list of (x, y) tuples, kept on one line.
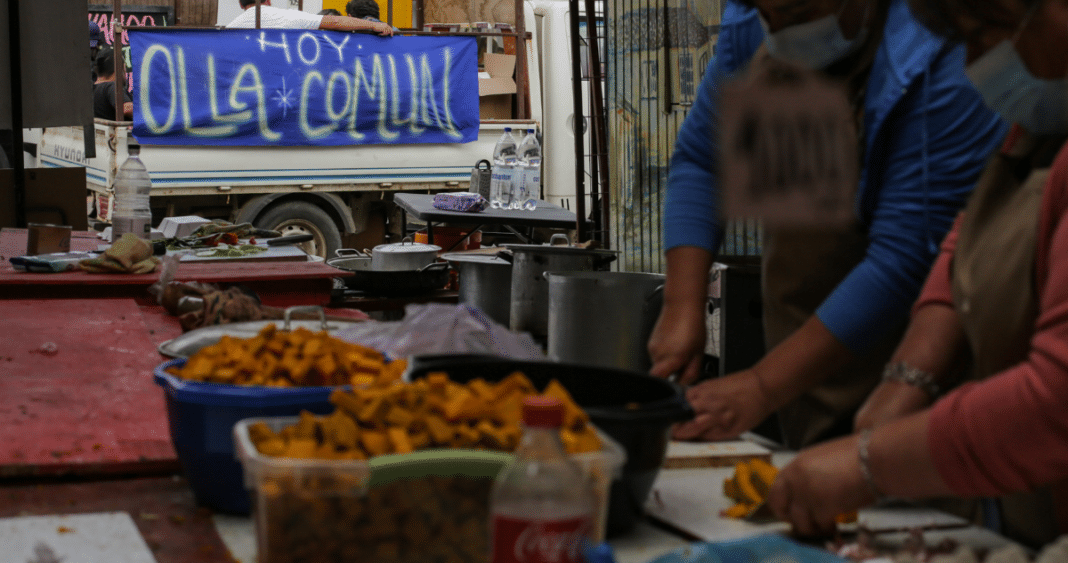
[(291, 87)]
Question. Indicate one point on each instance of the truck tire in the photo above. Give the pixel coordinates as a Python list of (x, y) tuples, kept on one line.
[(299, 218)]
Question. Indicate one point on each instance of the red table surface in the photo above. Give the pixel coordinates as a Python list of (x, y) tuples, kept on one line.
[(92, 407), (280, 284)]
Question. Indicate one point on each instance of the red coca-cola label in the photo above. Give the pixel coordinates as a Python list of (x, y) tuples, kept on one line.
[(518, 540)]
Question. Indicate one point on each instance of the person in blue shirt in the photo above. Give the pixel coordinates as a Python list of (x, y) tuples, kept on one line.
[(834, 301)]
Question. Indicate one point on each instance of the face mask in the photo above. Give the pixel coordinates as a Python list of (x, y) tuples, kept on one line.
[(1007, 87), (815, 44)]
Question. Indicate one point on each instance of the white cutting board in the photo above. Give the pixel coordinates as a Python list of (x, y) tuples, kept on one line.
[(694, 455), (691, 500), (287, 253), (110, 537)]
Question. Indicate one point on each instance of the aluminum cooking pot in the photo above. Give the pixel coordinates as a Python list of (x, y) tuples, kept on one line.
[(388, 283), (485, 283), (403, 256), (603, 318), (530, 289)]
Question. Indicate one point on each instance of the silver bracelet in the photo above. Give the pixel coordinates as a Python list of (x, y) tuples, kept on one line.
[(863, 441), (900, 371)]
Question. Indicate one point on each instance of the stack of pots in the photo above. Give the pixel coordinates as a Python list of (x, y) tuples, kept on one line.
[(485, 283), (530, 287)]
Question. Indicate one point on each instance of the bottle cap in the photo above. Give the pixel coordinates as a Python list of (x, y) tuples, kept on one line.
[(530, 130), (542, 411), (508, 129)]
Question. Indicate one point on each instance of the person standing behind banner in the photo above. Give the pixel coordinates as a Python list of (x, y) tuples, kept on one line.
[(277, 18), (104, 88), (364, 9), (834, 301)]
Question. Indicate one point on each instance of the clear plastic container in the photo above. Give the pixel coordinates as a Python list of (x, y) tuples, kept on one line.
[(133, 188), (419, 507)]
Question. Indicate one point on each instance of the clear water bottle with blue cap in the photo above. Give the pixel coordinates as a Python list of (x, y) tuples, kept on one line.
[(504, 160), (526, 187)]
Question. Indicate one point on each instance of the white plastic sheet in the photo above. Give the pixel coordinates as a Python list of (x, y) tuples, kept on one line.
[(437, 328)]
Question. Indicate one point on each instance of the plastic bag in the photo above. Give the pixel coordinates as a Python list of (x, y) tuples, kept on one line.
[(771, 548), (437, 328)]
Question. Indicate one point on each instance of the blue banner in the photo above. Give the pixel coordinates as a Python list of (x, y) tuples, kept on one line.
[(248, 87)]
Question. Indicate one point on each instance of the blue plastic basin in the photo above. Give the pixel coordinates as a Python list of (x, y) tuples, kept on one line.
[(202, 418)]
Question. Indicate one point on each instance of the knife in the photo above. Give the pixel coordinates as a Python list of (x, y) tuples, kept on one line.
[(292, 239)]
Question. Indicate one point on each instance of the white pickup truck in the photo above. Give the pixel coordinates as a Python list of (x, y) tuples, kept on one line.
[(334, 191)]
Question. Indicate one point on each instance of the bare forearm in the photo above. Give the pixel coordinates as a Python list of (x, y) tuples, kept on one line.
[(345, 23), (933, 341), (802, 361), (687, 276), (900, 459)]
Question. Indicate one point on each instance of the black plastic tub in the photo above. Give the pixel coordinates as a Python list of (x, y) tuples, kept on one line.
[(635, 409)]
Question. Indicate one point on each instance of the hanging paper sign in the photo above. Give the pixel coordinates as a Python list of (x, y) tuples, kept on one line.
[(249, 87), (788, 148)]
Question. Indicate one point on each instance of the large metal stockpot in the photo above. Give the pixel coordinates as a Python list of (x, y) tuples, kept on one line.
[(400, 256), (485, 283), (530, 289), (603, 318)]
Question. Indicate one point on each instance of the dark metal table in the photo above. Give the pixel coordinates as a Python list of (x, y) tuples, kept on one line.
[(421, 206)]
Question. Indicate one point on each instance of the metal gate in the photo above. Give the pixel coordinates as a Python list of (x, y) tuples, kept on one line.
[(657, 51)]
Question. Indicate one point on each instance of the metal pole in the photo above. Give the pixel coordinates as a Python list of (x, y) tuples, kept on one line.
[(600, 136), (15, 53), (389, 14), (576, 91), (120, 61), (300, 5), (257, 14), (521, 77)]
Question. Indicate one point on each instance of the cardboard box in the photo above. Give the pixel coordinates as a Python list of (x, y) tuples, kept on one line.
[(495, 90)]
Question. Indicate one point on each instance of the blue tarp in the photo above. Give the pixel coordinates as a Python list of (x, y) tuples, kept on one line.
[(249, 87)]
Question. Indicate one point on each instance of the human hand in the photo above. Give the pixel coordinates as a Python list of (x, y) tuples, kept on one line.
[(725, 407), (382, 28), (889, 401), (819, 484), (677, 343)]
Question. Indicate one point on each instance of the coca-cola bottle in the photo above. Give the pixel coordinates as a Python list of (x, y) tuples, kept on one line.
[(542, 507)]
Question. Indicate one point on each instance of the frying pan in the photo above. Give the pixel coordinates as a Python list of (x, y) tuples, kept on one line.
[(395, 283)]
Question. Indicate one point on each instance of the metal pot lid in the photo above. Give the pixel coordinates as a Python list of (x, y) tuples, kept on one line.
[(189, 343), (406, 248), (350, 263), (559, 249), (465, 258)]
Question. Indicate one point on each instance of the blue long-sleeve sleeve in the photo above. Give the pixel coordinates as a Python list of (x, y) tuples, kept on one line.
[(927, 136), (691, 208), (927, 166)]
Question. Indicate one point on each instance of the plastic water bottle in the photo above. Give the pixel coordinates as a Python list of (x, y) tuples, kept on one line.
[(542, 505), (526, 185), (132, 187), (503, 169)]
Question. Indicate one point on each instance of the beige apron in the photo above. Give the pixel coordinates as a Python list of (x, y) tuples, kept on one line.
[(800, 269), (994, 292)]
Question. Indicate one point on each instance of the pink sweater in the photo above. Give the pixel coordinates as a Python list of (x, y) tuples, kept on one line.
[(1010, 432)]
